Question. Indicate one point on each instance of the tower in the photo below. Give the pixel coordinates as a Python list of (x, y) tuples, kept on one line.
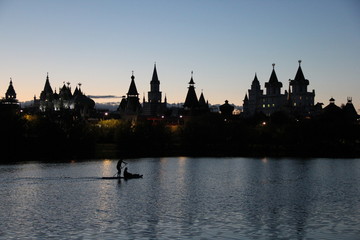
[(132, 102), (154, 96), (301, 99), (154, 107), (191, 101), (252, 102), (10, 95), (46, 96), (273, 100)]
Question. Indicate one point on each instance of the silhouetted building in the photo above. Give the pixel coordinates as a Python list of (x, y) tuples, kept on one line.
[(46, 96), (10, 95), (349, 110), (192, 104), (203, 104), (254, 102), (296, 100), (9, 103), (226, 109), (154, 106), (130, 106), (191, 100), (77, 102), (301, 99)]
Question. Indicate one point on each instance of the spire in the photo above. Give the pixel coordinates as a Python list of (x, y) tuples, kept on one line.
[(299, 74), (47, 87), (10, 93), (132, 89), (273, 77), (202, 101), (255, 83), (192, 80), (191, 100), (155, 78), (255, 78)]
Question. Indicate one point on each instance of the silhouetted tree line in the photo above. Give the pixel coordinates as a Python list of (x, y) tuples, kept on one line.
[(54, 137)]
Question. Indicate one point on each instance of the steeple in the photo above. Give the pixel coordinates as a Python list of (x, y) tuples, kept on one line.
[(255, 83), (299, 74), (191, 100), (132, 89), (246, 99), (273, 87), (192, 80), (299, 84), (47, 87), (202, 101), (10, 93), (273, 77), (154, 95), (155, 78)]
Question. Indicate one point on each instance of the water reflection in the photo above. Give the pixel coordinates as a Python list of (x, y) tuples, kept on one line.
[(183, 198)]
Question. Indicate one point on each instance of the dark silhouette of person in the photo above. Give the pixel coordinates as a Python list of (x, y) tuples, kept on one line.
[(119, 166), (130, 175)]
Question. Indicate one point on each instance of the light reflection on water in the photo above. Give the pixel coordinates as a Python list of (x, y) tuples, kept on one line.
[(182, 198)]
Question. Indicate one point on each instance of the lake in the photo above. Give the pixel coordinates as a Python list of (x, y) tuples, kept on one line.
[(182, 198)]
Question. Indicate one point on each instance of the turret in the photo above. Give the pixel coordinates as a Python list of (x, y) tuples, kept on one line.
[(191, 100)]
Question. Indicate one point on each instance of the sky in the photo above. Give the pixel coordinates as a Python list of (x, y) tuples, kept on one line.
[(224, 42)]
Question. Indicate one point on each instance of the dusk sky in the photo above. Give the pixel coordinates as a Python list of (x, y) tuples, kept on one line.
[(99, 44)]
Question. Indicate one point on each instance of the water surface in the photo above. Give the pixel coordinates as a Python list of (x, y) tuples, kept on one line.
[(182, 198)]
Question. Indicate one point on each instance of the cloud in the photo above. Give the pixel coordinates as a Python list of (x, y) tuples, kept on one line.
[(103, 96)]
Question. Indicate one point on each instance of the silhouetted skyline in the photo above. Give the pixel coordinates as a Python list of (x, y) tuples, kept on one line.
[(224, 43)]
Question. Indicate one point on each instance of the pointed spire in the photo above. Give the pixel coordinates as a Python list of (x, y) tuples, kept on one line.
[(132, 89), (191, 100), (273, 77), (255, 81), (299, 74), (202, 101), (10, 93), (192, 80), (155, 78), (47, 87)]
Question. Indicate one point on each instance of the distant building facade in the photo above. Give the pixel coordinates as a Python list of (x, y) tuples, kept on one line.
[(296, 100)]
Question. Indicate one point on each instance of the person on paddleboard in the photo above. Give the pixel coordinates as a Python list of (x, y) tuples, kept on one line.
[(119, 166)]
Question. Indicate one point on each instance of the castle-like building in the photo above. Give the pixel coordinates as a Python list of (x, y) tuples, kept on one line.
[(130, 106), (297, 99), (64, 100)]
